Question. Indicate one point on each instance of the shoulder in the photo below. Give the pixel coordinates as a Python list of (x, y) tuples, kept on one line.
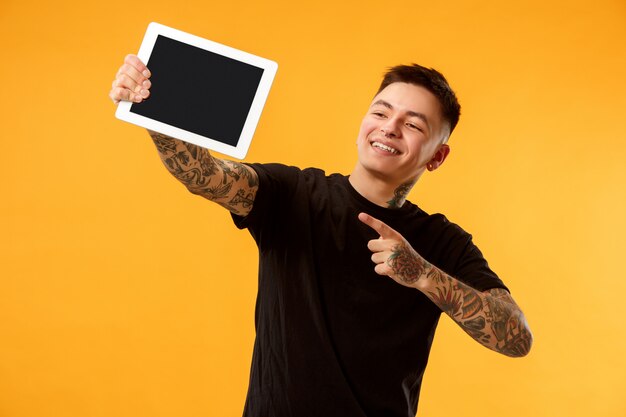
[(449, 237), (287, 179), (435, 223), (292, 174), (278, 169), (441, 222), (436, 236), (462, 256)]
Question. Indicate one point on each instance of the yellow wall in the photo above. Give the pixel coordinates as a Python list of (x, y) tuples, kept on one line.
[(122, 295)]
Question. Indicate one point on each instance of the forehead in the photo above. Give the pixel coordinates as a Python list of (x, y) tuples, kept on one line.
[(410, 97)]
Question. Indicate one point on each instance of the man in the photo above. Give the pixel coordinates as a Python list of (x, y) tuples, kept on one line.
[(336, 335)]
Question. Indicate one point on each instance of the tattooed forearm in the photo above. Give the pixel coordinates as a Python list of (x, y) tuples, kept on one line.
[(491, 318), (230, 184), (163, 143)]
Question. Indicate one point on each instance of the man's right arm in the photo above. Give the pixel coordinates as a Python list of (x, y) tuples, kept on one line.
[(230, 184)]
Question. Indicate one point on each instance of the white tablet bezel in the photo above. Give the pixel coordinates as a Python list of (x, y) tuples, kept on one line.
[(269, 71)]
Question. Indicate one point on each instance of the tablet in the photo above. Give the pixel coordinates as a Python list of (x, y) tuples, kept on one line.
[(202, 92)]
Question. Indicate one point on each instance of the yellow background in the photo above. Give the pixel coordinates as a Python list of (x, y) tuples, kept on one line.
[(123, 295)]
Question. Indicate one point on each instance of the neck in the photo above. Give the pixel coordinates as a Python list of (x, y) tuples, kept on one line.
[(381, 191)]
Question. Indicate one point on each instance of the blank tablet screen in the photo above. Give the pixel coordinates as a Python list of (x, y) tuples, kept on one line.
[(199, 91)]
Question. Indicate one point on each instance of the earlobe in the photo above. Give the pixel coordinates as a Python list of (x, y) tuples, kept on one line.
[(439, 157)]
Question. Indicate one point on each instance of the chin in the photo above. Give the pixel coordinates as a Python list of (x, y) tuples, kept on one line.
[(382, 172)]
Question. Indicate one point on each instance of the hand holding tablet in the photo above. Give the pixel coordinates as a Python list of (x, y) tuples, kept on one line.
[(198, 91), (131, 81)]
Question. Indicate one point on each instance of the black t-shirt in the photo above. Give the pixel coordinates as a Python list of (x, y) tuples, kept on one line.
[(333, 338)]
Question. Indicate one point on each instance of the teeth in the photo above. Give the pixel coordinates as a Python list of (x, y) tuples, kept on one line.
[(384, 147)]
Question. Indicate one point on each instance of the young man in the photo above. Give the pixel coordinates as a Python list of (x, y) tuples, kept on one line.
[(352, 276)]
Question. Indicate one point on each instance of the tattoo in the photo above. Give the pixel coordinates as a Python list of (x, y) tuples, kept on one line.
[(228, 171), (435, 274), (472, 304), (217, 192), (400, 194), (243, 199), (508, 324), (208, 166), (192, 176), (244, 172), (194, 150), (519, 337), (209, 177), (163, 143), (448, 300), (474, 328), (498, 316), (492, 318), (406, 264)]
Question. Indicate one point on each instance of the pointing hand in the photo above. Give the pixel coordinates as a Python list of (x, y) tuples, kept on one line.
[(393, 255)]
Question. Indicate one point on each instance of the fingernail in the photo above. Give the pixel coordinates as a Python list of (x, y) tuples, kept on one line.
[(147, 84), (137, 99), (146, 73), (144, 93)]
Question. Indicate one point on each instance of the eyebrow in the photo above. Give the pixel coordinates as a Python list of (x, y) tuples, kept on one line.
[(409, 113)]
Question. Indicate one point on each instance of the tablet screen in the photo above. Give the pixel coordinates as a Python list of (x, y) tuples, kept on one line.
[(199, 91)]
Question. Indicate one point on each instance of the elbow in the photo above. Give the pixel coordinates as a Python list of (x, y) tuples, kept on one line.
[(528, 344), (523, 350), (521, 337), (520, 346), (199, 192), (192, 190)]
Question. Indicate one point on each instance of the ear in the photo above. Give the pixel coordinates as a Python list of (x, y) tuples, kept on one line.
[(439, 157)]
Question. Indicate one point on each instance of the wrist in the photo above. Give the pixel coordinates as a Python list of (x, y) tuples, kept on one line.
[(429, 277)]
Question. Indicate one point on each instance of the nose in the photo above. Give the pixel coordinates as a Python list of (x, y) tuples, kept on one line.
[(390, 128)]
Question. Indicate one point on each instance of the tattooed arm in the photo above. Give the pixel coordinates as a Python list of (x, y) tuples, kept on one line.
[(492, 318), (231, 184)]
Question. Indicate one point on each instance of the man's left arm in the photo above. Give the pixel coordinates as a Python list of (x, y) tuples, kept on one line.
[(492, 317)]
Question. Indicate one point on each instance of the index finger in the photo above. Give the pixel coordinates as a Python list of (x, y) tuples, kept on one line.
[(381, 228), (135, 62)]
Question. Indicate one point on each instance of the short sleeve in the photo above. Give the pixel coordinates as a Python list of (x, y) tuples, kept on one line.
[(472, 268), (277, 183)]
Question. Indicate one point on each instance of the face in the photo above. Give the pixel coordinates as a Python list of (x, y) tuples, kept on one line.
[(402, 134)]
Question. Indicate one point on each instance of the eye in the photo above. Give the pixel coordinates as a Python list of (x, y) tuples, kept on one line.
[(378, 114), (414, 127)]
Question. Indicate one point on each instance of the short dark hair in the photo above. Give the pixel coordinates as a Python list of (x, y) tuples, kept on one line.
[(433, 81)]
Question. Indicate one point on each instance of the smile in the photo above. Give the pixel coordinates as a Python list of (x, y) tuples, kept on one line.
[(385, 148)]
